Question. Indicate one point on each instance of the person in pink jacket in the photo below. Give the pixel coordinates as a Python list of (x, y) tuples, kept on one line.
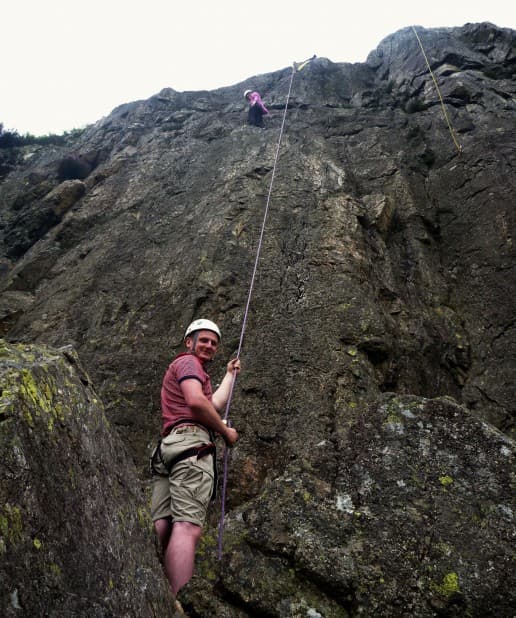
[(256, 108)]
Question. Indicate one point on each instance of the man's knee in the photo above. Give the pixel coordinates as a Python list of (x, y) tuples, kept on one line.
[(186, 528)]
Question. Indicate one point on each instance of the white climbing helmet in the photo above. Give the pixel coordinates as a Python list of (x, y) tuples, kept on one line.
[(246, 93), (202, 325)]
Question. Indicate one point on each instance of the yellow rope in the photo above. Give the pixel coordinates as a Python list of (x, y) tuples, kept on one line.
[(298, 66), (452, 132)]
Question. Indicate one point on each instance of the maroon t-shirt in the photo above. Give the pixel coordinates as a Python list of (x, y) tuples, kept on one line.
[(173, 404)]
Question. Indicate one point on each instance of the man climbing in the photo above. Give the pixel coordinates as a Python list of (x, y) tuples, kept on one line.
[(183, 462), (256, 109)]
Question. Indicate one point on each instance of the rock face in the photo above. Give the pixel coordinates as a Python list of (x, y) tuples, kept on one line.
[(386, 279), (415, 519), (74, 527)]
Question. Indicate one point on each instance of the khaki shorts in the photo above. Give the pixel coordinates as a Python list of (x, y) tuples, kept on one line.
[(185, 493)]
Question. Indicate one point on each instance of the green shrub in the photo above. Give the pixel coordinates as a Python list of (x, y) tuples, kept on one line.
[(12, 139)]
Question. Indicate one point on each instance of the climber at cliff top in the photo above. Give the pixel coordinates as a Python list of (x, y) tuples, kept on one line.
[(183, 462), (256, 108)]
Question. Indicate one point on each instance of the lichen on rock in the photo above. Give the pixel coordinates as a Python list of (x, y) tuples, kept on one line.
[(64, 478)]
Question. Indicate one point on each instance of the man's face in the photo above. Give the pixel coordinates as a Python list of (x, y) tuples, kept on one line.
[(203, 344)]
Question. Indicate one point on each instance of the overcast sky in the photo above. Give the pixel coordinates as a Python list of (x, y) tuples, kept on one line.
[(68, 63)]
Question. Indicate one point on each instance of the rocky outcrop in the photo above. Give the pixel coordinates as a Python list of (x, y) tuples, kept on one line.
[(415, 519), (74, 525), (387, 271)]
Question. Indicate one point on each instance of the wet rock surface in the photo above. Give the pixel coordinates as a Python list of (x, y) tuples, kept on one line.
[(387, 273)]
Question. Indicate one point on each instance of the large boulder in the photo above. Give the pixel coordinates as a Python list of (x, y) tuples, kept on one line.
[(416, 519), (75, 533)]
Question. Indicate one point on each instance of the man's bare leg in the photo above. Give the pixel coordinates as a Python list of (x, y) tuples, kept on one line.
[(179, 553), (163, 528)]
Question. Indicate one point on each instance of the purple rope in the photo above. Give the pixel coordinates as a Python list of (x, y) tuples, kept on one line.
[(244, 322)]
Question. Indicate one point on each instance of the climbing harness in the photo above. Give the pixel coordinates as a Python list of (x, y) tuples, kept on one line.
[(452, 132), (201, 451), (246, 312)]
